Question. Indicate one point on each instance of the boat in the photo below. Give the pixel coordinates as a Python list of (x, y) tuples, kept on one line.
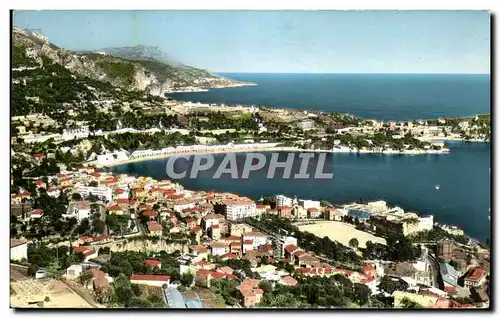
[(437, 187)]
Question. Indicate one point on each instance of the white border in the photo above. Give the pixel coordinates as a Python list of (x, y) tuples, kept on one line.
[(492, 5)]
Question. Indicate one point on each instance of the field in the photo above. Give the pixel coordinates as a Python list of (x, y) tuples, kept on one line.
[(340, 232)]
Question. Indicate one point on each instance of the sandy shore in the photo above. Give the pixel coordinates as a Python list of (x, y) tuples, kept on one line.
[(341, 232), (275, 149)]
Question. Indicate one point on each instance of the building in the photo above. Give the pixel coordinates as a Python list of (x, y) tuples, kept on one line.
[(475, 277), (219, 248), (18, 249), (251, 293), (285, 212), (36, 214), (155, 228), (282, 200), (449, 273), (305, 124), (307, 204), (333, 214), (150, 280), (239, 209), (103, 193), (81, 210), (257, 238), (236, 229), (74, 271), (426, 223), (453, 230)]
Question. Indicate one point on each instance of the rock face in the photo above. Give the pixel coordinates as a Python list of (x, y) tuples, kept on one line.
[(143, 73)]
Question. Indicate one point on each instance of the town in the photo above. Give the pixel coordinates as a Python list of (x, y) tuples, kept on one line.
[(84, 237), (131, 241)]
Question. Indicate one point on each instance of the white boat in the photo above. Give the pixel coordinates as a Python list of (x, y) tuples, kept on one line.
[(437, 187)]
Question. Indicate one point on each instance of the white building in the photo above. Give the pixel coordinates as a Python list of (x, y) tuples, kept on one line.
[(111, 158), (18, 249), (239, 209), (426, 223), (306, 204), (74, 271), (306, 124), (180, 205), (282, 200), (257, 238), (101, 192), (81, 210)]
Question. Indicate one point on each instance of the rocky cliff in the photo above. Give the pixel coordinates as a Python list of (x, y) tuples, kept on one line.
[(142, 73)]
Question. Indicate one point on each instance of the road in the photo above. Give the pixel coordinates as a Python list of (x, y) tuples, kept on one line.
[(102, 212), (434, 269)]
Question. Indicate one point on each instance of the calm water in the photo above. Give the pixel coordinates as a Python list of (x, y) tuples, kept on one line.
[(379, 96), (406, 181)]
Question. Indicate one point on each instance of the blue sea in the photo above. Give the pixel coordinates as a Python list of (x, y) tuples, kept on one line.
[(375, 96), (406, 181)]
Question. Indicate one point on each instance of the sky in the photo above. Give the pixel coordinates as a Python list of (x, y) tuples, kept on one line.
[(284, 41)]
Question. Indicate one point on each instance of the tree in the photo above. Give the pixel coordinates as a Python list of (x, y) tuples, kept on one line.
[(98, 226), (408, 303), (187, 279), (85, 278), (266, 286), (122, 290), (354, 243), (76, 196)]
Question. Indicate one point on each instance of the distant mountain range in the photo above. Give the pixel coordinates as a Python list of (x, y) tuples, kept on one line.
[(142, 52)]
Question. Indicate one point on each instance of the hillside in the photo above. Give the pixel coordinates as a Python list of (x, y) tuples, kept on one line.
[(155, 77)]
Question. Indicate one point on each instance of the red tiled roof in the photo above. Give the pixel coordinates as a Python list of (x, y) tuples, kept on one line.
[(154, 226), (290, 248), (149, 277), (39, 182), (38, 155), (312, 210), (138, 190), (152, 262), (289, 281), (229, 255), (79, 249), (95, 174), (119, 191), (150, 213), (115, 207), (196, 229), (217, 275), (37, 212), (475, 274), (247, 242), (123, 201), (215, 226)]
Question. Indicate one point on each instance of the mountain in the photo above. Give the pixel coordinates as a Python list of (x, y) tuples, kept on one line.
[(142, 52), (141, 70)]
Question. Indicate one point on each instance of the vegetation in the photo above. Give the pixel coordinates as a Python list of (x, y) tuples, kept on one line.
[(436, 234)]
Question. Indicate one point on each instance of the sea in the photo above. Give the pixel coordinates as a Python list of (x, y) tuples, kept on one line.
[(407, 181)]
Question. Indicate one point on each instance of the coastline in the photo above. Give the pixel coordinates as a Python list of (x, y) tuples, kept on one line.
[(269, 149), (199, 90)]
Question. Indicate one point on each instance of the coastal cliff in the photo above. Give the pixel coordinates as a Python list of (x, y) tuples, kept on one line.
[(132, 71)]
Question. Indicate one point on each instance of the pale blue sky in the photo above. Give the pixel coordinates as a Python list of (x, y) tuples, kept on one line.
[(285, 41)]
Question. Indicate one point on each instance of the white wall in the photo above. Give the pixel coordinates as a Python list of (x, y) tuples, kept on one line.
[(19, 252)]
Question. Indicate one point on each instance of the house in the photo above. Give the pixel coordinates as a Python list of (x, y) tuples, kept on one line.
[(150, 280), (18, 249), (139, 193), (81, 210), (285, 212), (313, 213), (288, 281), (53, 192), (36, 214), (333, 214), (38, 156), (239, 209), (150, 213), (190, 222), (74, 271), (155, 228), (475, 277), (251, 293), (152, 263), (40, 184), (225, 270), (450, 275), (215, 232), (115, 209), (219, 248), (204, 277), (257, 238), (228, 256), (100, 280)]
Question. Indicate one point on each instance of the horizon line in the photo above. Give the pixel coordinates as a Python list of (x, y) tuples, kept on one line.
[(349, 73)]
